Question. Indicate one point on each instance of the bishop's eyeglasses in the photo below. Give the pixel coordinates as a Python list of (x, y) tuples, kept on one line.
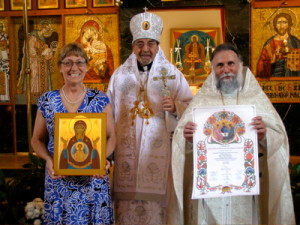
[(69, 64), (150, 43)]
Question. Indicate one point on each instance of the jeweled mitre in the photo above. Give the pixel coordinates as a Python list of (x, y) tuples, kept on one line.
[(146, 25)]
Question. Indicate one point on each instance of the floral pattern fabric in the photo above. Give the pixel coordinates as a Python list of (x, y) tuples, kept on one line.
[(74, 199)]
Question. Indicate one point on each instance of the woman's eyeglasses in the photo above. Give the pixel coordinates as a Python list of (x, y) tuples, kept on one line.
[(69, 64)]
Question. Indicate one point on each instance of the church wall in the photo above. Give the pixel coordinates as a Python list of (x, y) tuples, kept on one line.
[(237, 16), (237, 31)]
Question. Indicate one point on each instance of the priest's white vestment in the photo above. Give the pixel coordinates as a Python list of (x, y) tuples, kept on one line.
[(274, 205)]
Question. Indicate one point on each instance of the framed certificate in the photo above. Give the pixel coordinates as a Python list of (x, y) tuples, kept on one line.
[(80, 143), (225, 152)]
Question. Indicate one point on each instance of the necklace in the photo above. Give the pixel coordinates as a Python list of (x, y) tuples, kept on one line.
[(77, 100), (237, 98)]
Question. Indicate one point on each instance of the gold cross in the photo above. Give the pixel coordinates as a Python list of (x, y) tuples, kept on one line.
[(164, 79)]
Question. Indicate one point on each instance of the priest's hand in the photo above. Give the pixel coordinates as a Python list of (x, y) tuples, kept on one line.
[(258, 124), (189, 130), (168, 104)]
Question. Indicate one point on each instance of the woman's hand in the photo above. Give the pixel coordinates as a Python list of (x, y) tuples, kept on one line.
[(107, 166), (49, 167)]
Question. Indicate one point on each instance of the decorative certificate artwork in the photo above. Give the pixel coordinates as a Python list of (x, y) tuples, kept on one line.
[(49, 4), (99, 36), (75, 4), (80, 143), (103, 3), (275, 52), (18, 5), (225, 152)]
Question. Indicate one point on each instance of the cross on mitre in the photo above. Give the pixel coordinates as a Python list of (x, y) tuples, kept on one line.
[(164, 79), (145, 8)]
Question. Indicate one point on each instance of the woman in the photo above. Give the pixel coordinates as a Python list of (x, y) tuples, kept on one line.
[(73, 199)]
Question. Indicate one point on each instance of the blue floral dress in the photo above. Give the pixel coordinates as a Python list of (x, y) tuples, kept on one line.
[(74, 199)]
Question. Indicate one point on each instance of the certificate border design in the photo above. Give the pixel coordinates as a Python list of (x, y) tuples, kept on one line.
[(212, 178), (249, 172)]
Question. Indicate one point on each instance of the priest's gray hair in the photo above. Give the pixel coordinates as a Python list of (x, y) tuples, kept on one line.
[(226, 47)]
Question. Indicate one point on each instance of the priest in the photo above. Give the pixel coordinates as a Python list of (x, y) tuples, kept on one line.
[(232, 84)]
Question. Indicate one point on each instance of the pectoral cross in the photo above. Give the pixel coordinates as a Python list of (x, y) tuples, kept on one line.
[(165, 78)]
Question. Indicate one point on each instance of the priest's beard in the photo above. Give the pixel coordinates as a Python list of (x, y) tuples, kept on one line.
[(231, 85), (228, 86)]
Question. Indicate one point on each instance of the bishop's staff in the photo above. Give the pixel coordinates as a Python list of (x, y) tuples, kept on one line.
[(27, 75)]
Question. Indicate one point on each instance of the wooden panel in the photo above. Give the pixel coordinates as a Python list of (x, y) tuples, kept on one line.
[(13, 161), (294, 159)]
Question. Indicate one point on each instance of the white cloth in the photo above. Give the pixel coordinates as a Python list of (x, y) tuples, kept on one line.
[(143, 152), (274, 204)]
